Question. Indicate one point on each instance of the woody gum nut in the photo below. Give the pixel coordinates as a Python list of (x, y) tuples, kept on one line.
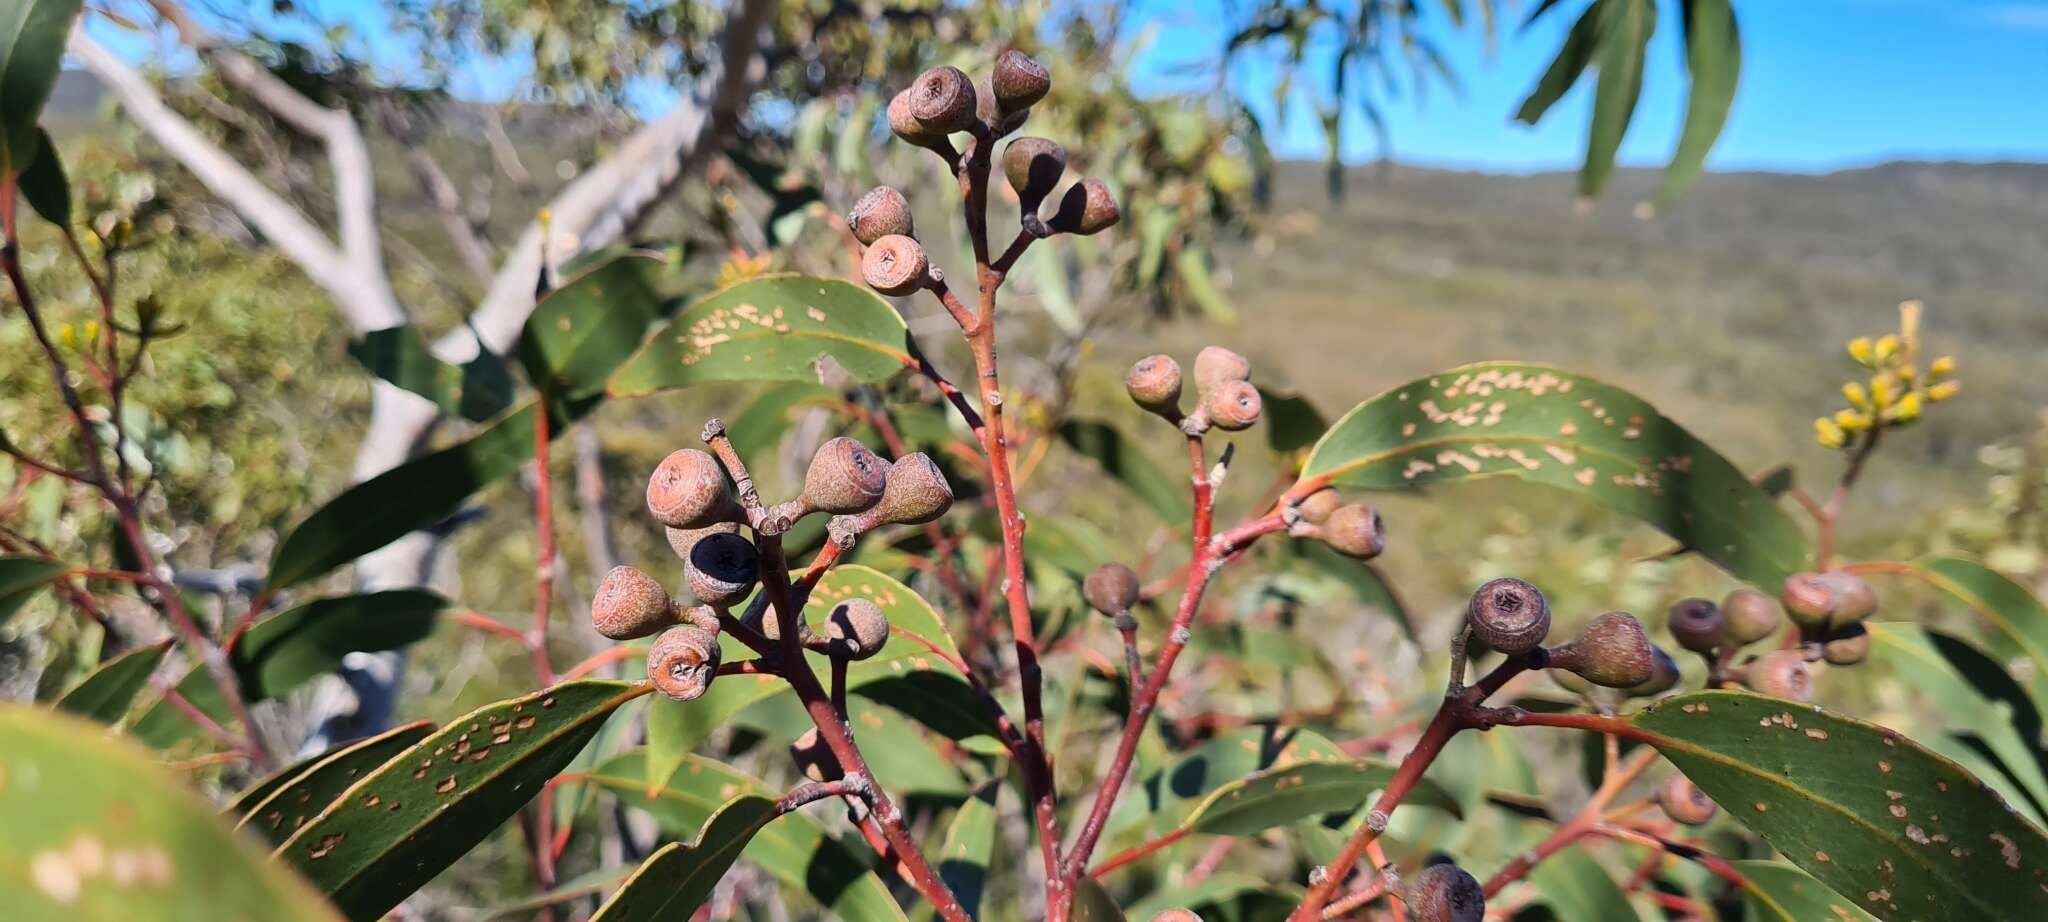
[(683, 662), (1154, 384), (857, 629), (907, 127), (1613, 651), (1445, 893), (1684, 802), (1697, 625), (844, 478), (1779, 674), (681, 540), (1509, 615), (1215, 366), (1663, 675), (1111, 588), (894, 265), (916, 492), (1854, 599), (630, 604), (1808, 599), (1087, 208), (1355, 530), (721, 569), (1847, 648), (942, 100), (1316, 508), (814, 759), (880, 213), (1019, 81), (1751, 615), (688, 489), (1033, 166), (1234, 406)]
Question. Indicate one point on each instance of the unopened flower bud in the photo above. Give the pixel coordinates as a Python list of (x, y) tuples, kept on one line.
[(1111, 588), (1751, 615), (1316, 508), (894, 265), (1697, 625), (1779, 674), (814, 759), (1154, 383), (1354, 530), (689, 490), (1445, 893), (1847, 648), (630, 604), (856, 629), (942, 100), (683, 662), (1087, 208), (844, 478), (1019, 81), (1509, 615), (1234, 406), (1684, 802), (1216, 366), (916, 492), (1613, 651), (1034, 167), (721, 569), (880, 213), (1664, 676)]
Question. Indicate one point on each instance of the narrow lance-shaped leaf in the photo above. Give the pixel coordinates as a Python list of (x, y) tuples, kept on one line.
[(1625, 28), (1547, 426), (678, 878), (1713, 56), (21, 578), (104, 695), (44, 185), (1902, 832), (2010, 608), (1777, 893), (476, 390), (313, 788), (1168, 793), (1571, 61), (583, 331), (1120, 458), (391, 832), (969, 846), (1978, 704), (774, 328), (32, 36), (92, 828), (1284, 796)]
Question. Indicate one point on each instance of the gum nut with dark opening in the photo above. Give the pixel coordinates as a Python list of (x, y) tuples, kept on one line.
[(1445, 893), (683, 662), (1234, 406), (722, 569), (1697, 625), (916, 492), (681, 540), (845, 478)]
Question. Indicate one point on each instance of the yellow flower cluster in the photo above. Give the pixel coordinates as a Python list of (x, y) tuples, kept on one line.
[(1898, 389), (739, 267)]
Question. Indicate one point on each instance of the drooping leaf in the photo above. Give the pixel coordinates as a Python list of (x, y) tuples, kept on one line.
[(104, 695), (1777, 893), (1094, 904), (1713, 56), (92, 828), (795, 850), (477, 390), (678, 878), (314, 787), (583, 331), (1363, 578), (408, 497), (21, 578), (390, 833), (1284, 796), (773, 328), (1167, 794), (969, 846), (1292, 422), (1977, 701), (1123, 460), (2007, 605), (1901, 831), (1625, 28), (43, 184), (1529, 422), (1576, 887), (32, 37), (1572, 59)]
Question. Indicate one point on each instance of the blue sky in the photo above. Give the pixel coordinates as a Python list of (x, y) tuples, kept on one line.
[(1826, 84)]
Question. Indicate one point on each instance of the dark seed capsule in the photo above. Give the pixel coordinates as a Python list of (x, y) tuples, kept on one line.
[(721, 569), (1111, 588), (1697, 625), (1509, 615), (1613, 651), (1445, 893)]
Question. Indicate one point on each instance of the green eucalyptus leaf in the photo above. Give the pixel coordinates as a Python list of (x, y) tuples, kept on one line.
[(477, 390), (314, 786), (969, 846), (1168, 794), (759, 428), (1552, 427), (2009, 607), (91, 827), (44, 186), (678, 878), (105, 695), (32, 37), (1092, 903), (1292, 421), (1713, 57), (1191, 264), (1625, 28), (21, 578), (1284, 796), (1778, 893), (1123, 460), (1573, 57), (1900, 830), (1978, 702), (1575, 886), (583, 331), (388, 834), (774, 328)]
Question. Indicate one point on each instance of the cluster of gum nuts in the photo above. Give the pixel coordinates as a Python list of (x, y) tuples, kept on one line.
[(702, 511), (943, 102)]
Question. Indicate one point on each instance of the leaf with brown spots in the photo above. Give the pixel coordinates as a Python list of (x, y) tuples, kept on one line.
[(773, 328), (1563, 430), (1777, 893), (1906, 833), (583, 331), (92, 827), (314, 786), (678, 877), (437, 800)]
